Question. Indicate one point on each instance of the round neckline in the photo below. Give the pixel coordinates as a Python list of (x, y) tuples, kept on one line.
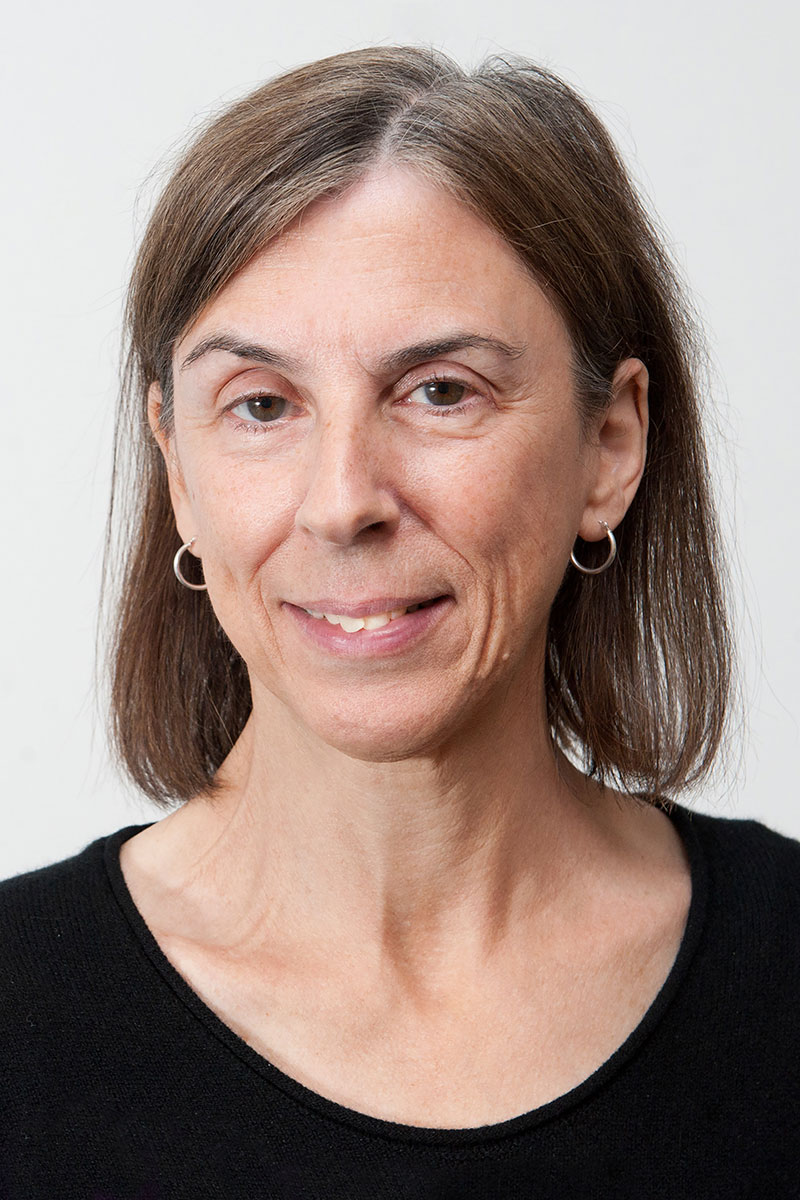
[(683, 820)]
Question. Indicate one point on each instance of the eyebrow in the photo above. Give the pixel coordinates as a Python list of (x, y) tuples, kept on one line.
[(397, 361), (234, 345), (422, 351)]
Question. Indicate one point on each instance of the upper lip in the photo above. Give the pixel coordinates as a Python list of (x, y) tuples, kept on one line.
[(363, 608)]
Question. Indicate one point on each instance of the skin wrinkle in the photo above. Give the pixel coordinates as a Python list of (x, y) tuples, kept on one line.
[(423, 853), (398, 361), (408, 883)]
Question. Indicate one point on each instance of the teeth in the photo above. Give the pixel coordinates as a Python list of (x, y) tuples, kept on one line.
[(377, 621)]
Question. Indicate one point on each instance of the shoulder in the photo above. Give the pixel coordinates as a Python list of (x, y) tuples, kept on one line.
[(33, 893), (63, 949), (66, 991), (43, 884), (42, 910), (749, 853), (53, 921), (749, 877)]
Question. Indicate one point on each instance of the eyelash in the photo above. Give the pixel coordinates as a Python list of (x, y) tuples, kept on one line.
[(462, 406)]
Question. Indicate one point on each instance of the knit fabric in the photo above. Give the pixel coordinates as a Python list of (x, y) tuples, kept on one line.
[(118, 1083)]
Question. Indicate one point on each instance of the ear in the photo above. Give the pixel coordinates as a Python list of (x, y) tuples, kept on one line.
[(181, 505), (620, 443)]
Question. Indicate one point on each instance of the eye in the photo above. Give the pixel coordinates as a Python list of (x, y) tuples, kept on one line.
[(260, 410), (443, 394)]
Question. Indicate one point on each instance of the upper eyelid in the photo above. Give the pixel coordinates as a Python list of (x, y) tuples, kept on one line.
[(432, 376), (264, 392)]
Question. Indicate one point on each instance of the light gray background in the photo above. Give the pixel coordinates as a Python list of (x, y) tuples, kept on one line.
[(703, 99)]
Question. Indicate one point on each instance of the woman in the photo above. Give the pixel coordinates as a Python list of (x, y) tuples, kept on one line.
[(411, 399)]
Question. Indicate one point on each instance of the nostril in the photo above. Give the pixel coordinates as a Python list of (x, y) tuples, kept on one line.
[(345, 511)]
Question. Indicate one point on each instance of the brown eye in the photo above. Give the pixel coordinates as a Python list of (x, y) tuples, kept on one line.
[(444, 391), (262, 409)]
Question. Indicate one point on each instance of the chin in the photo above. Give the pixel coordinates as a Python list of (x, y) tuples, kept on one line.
[(363, 732)]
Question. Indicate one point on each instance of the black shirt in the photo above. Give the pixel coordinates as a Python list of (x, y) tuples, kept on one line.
[(119, 1083)]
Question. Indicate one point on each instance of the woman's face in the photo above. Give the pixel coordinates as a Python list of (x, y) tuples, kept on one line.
[(377, 411)]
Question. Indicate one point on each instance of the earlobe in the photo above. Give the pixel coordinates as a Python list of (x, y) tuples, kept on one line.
[(621, 450)]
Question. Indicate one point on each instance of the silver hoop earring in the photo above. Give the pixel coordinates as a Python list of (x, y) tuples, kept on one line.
[(176, 566), (612, 554)]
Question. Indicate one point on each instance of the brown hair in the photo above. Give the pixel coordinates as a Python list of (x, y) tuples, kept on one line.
[(638, 667)]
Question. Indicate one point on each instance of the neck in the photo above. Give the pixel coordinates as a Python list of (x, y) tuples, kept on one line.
[(424, 866)]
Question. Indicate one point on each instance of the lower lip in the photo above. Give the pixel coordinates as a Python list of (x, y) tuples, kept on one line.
[(398, 635)]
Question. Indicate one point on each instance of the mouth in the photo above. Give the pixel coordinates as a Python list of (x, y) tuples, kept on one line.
[(373, 620), (388, 626)]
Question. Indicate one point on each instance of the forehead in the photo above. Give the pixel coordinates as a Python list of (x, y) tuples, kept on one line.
[(389, 259)]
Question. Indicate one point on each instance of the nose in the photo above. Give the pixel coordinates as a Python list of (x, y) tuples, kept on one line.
[(347, 490)]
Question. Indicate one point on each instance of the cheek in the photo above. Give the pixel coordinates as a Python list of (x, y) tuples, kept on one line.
[(243, 512), (242, 509), (518, 505)]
